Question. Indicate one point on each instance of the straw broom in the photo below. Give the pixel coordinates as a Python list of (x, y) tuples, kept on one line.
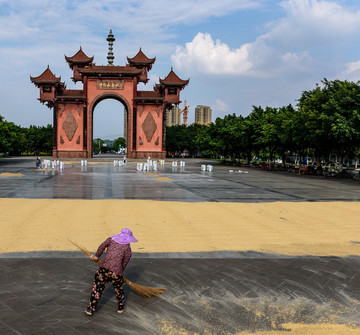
[(144, 291)]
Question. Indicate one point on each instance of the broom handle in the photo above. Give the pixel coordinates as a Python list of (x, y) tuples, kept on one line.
[(98, 261)]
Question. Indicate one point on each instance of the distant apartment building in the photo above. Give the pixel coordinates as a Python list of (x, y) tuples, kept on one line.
[(172, 116), (202, 114)]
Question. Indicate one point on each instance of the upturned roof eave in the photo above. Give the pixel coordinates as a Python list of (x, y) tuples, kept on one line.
[(47, 77), (39, 82), (79, 58), (140, 62), (183, 83), (141, 59), (79, 61), (172, 79)]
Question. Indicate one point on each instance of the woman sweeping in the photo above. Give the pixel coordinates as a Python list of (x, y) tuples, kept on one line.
[(118, 254)]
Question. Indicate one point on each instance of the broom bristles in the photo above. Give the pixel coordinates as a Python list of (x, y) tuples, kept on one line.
[(144, 291)]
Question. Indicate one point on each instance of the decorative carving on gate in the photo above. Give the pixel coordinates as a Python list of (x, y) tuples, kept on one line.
[(61, 140), (157, 141), (78, 108), (78, 140), (62, 108), (149, 126), (158, 111), (141, 110), (140, 141), (70, 125)]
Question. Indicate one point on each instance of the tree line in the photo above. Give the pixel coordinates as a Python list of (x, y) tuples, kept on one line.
[(17, 140), (325, 123)]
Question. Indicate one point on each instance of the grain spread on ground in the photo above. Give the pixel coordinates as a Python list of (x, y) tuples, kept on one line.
[(287, 228)]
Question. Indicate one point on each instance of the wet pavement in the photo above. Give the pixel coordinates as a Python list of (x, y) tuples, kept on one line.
[(101, 180), (207, 293)]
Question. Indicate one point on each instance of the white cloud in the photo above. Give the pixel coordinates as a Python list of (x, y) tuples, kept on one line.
[(258, 59), (352, 67), (205, 55), (351, 72), (313, 23), (146, 17), (221, 106), (297, 60), (29, 27), (287, 45)]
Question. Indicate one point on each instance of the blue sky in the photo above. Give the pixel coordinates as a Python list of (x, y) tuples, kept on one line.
[(237, 53)]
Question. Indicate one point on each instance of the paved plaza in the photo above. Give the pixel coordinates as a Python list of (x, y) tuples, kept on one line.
[(101, 180), (228, 280)]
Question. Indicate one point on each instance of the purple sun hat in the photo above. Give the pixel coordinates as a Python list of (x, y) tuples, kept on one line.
[(125, 237)]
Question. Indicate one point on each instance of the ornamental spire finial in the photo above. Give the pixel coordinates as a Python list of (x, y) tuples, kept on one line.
[(110, 55)]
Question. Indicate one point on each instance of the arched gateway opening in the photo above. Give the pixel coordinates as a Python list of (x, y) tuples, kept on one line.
[(73, 109), (109, 123), (121, 106)]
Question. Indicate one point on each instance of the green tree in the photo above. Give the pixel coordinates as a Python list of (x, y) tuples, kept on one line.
[(269, 131), (207, 142), (119, 142), (12, 137), (255, 128), (228, 134), (190, 134), (39, 139), (98, 145), (326, 121), (182, 138), (331, 113), (291, 131), (176, 138)]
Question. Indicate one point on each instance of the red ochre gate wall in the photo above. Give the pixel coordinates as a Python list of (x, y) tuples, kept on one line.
[(73, 109)]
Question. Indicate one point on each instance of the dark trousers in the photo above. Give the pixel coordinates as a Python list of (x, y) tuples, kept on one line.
[(102, 277)]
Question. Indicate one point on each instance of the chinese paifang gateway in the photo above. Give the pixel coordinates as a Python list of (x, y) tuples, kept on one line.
[(73, 109)]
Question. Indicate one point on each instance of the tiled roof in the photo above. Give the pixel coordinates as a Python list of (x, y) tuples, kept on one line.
[(79, 58), (47, 77), (173, 80), (141, 59)]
